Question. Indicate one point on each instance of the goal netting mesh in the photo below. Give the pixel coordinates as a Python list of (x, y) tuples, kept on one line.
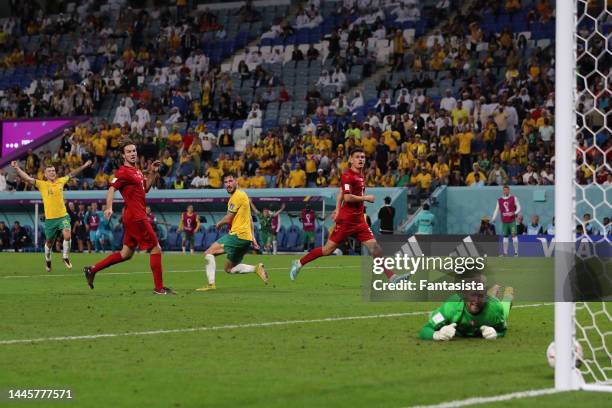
[(593, 323)]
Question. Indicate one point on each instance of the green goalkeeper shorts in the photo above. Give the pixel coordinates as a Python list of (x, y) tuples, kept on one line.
[(55, 226), (234, 247), (266, 238), (508, 228)]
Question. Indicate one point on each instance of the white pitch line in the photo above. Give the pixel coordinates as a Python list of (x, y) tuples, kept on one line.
[(79, 274), (229, 326), (486, 400)]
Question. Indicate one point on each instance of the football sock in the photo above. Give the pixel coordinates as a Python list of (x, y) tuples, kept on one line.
[(243, 268), (388, 273), (156, 268), (47, 253), (311, 256), (515, 244), (66, 248), (505, 246), (210, 268), (112, 259), (274, 244)]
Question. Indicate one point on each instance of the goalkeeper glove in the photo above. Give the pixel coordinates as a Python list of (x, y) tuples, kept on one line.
[(445, 333), (488, 332)]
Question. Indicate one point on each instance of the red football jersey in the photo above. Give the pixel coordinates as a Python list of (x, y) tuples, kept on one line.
[(189, 221), (131, 184), (352, 183), (308, 219)]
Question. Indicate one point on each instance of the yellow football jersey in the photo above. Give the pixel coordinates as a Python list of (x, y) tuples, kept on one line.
[(240, 205), (53, 197)]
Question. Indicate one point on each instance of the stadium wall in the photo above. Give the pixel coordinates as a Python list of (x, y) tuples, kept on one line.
[(167, 204), (458, 210)]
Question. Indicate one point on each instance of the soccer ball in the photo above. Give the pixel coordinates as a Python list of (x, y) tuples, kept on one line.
[(551, 352)]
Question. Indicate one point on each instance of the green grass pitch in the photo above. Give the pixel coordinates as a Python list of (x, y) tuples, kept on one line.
[(372, 362)]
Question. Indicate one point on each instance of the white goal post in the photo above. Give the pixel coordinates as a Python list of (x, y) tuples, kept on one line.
[(589, 324)]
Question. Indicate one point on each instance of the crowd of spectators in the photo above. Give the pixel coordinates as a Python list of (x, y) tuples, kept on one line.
[(495, 127)]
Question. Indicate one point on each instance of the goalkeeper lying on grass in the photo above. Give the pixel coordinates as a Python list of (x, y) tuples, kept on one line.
[(470, 314)]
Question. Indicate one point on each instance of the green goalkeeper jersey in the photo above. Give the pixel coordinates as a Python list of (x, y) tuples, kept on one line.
[(265, 224), (493, 314)]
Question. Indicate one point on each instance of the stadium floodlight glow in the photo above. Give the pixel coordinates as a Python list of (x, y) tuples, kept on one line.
[(588, 323)]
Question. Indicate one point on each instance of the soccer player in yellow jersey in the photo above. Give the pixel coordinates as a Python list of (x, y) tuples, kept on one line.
[(239, 240), (57, 220)]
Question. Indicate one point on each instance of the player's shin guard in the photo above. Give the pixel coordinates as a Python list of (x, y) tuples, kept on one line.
[(210, 268), (66, 248), (274, 245), (47, 253), (515, 245), (311, 256), (243, 268), (108, 261), (505, 243), (156, 268)]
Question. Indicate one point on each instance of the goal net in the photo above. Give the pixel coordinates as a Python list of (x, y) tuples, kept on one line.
[(582, 204)]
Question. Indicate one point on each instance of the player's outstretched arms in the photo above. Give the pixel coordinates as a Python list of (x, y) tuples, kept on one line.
[(280, 210), (79, 169), (255, 210), (25, 176)]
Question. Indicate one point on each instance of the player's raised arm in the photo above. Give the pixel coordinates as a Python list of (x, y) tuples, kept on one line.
[(255, 210), (279, 211), (109, 202), (79, 169), (153, 174), (25, 176)]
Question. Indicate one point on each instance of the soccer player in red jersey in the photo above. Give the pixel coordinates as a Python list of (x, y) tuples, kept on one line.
[(349, 217), (138, 232)]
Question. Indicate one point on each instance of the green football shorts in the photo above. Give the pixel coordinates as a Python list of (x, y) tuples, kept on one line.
[(266, 238), (234, 247), (508, 228), (309, 236), (55, 226)]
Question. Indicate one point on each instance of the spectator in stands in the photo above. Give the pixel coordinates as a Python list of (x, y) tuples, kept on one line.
[(587, 226), (534, 228), (3, 183), (497, 175), (297, 177), (530, 176), (521, 228), (5, 237), (312, 54), (122, 114), (20, 238)]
